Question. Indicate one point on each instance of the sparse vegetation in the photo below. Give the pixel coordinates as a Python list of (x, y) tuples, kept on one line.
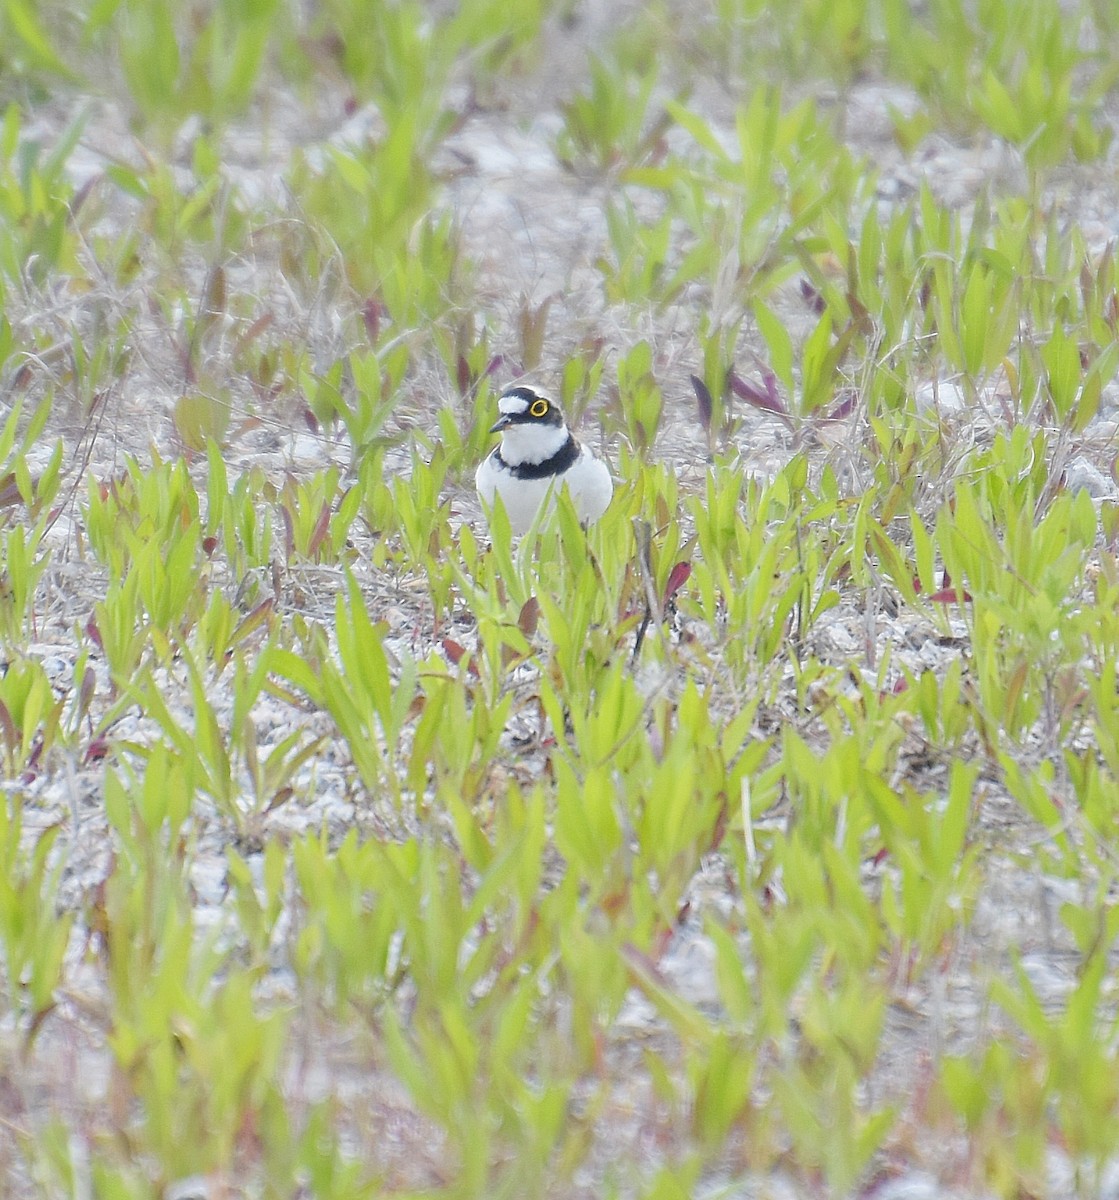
[(757, 840)]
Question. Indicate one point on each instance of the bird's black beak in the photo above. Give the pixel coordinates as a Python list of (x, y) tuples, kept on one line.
[(502, 422)]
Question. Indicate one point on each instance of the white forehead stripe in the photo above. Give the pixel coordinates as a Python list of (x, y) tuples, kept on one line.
[(516, 401), (513, 405)]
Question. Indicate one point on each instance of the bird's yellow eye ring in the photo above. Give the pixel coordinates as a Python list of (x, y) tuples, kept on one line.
[(538, 408)]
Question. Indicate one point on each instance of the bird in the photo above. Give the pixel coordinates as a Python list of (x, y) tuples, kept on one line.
[(537, 455)]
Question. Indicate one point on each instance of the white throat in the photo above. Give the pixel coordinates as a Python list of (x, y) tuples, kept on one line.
[(531, 443)]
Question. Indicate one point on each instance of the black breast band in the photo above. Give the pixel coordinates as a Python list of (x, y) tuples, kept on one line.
[(563, 458)]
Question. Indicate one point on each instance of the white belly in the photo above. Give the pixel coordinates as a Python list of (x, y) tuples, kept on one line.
[(587, 479)]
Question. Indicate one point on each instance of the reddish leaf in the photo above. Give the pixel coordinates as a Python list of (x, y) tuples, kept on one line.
[(453, 650), (289, 532), (462, 376), (457, 652), (768, 400), (97, 749), (860, 314), (322, 528), (246, 426), (85, 696), (677, 577), (509, 655), (9, 490), (35, 756), (703, 400), (252, 621), (281, 797), (371, 313), (310, 420), (844, 408), (812, 297), (529, 616), (945, 593), (951, 596), (255, 330)]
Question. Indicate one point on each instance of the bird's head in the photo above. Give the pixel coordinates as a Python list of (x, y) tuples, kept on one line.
[(531, 425), (526, 406)]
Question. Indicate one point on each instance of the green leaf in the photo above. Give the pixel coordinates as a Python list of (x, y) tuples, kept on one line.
[(780, 345), (1061, 356), (26, 27)]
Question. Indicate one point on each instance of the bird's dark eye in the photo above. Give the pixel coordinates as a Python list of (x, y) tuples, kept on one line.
[(538, 408)]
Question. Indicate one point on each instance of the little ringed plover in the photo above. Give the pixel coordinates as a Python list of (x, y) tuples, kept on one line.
[(537, 456)]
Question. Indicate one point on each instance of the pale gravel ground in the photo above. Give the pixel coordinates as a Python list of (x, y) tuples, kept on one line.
[(534, 230)]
